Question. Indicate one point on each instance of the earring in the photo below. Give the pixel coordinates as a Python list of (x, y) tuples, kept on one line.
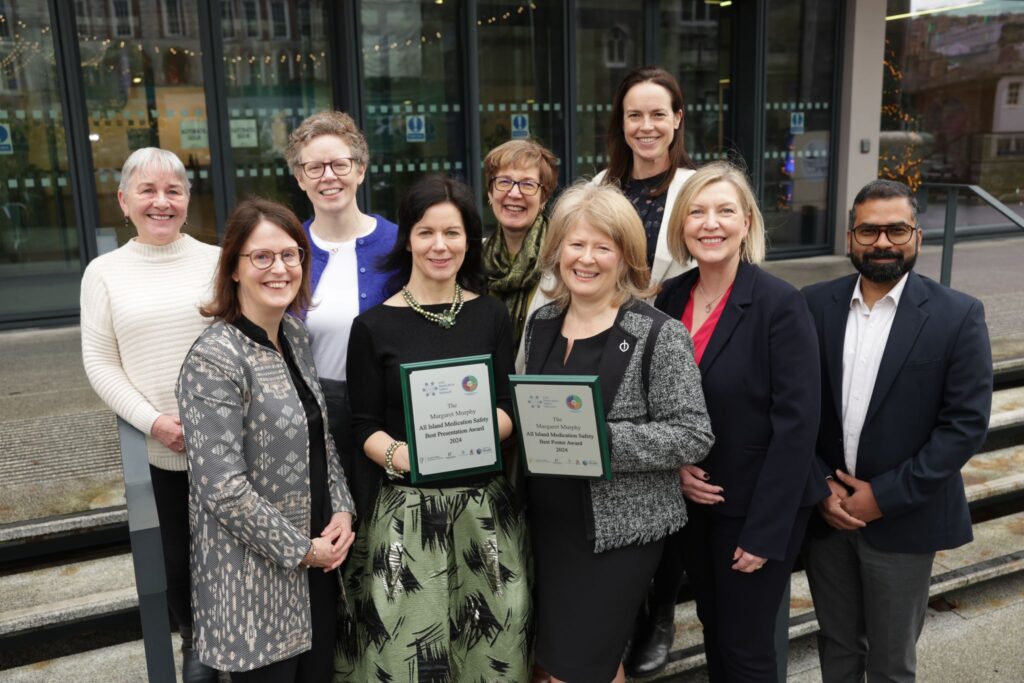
[(126, 222), (185, 224)]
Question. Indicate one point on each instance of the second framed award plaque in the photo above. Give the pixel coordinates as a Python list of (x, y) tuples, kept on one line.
[(560, 425), (451, 422)]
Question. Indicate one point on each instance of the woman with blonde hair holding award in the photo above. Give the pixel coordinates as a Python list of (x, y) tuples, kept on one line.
[(609, 531)]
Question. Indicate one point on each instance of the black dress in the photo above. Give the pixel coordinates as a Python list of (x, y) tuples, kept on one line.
[(585, 602)]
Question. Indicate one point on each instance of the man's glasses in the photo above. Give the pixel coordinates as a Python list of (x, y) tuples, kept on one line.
[(527, 187), (315, 169), (898, 233), (264, 258)]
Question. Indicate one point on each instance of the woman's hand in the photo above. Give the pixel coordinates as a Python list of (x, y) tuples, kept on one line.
[(323, 554), (167, 430), (745, 562), (400, 459), (339, 532), (693, 481)]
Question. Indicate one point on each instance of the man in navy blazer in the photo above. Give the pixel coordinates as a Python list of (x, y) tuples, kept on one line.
[(906, 370)]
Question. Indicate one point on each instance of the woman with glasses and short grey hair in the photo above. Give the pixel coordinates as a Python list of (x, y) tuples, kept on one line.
[(328, 155)]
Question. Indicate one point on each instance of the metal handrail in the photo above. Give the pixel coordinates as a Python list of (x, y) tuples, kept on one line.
[(949, 231), (147, 554)]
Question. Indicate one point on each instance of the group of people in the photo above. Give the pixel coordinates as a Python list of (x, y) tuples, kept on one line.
[(266, 374)]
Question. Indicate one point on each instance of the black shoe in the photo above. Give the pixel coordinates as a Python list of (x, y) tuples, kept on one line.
[(192, 670), (649, 656)]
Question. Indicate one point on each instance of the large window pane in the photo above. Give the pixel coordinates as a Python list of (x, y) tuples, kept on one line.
[(609, 44), (801, 64), (40, 266), (694, 45), (953, 104), (412, 94), (521, 75), (144, 88), (275, 79)]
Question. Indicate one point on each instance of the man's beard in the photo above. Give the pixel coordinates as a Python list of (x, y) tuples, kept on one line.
[(871, 269)]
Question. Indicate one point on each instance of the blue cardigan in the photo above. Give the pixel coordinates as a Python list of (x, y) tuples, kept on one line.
[(370, 250)]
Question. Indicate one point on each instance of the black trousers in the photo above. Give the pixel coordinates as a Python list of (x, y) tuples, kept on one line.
[(315, 665), (170, 489), (737, 610), (668, 579)]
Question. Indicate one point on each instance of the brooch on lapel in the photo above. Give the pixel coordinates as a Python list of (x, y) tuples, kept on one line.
[(624, 346)]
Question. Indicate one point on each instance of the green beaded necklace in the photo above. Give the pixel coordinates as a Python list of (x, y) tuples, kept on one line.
[(446, 319)]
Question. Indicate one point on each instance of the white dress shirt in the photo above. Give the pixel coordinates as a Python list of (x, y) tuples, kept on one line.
[(867, 332)]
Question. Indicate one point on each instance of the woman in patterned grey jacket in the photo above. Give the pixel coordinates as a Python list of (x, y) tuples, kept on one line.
[(264, 475)]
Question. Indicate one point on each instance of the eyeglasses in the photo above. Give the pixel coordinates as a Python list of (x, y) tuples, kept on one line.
[(264, 258), (315, 169), (897, 233), (527, 187)]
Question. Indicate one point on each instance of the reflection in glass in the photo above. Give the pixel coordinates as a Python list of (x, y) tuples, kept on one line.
[(40, 267), (277, 74), (952, 108), (694, 45), (801, 64), (144, 88), (521, 75), (609, 44), (412, 93)]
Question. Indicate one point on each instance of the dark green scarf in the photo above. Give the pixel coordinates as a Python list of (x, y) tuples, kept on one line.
[(513, 279)]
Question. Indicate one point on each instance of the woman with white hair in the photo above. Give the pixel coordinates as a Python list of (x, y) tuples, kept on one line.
[(140, 315)]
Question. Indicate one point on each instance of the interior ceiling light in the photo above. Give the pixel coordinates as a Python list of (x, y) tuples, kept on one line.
[(934, 10)]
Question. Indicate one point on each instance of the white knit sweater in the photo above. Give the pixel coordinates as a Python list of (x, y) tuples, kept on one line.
[(140, 315)]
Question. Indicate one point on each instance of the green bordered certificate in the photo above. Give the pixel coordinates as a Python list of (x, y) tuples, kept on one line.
[(451, 423), (560, 425)]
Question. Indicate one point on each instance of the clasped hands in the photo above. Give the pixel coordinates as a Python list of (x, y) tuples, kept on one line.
[(851, 506), (693, 481), (332, 545)]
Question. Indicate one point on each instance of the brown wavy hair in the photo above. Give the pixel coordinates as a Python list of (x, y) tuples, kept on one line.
[(620, 156), (225, 304)]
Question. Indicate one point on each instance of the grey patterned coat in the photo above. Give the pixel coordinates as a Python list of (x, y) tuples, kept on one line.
[(650, 434), (249, 495)]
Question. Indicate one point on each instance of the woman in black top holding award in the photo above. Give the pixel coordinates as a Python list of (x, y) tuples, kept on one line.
[(596, 544), (436, 583)]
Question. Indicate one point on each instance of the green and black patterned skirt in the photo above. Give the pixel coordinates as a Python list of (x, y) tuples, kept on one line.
[(438, 589)]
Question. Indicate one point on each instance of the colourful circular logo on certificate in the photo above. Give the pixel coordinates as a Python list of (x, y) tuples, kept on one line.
[(469, 384), (574, 402)]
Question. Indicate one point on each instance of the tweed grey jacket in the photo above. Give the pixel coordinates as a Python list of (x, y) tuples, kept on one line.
[(650, 434), (249, 495)]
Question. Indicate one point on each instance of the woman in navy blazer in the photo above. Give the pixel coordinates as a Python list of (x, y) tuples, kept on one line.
[(756, 348)]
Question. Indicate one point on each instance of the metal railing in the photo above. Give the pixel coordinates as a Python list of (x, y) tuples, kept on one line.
[(147, 554), (949, 231)]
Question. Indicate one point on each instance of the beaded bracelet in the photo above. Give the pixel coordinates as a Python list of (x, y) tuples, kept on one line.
[(389, 460)]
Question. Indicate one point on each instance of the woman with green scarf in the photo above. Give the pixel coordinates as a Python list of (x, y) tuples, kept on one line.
[(521, 176)]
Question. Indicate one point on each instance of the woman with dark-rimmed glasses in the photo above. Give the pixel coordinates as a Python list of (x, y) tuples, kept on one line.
[(521, 176), (328, 155), (269, 507)]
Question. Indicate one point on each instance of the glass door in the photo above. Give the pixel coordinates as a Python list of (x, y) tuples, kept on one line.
[(40, 263), (412, 91), (522, 77), (143, 77)]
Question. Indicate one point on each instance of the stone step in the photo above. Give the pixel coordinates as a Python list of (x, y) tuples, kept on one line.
[(994, 473), (59, 594), (997, 550), (1007, 408), (124, 663)]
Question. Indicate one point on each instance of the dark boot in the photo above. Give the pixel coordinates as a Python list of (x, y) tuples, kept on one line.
[(192, 670), (650, 654)]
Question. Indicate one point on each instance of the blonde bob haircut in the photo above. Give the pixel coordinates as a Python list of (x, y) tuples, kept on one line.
[(607, 210), (753, 248)]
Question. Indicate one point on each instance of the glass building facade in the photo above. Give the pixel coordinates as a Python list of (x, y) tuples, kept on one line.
[(435, 84)]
